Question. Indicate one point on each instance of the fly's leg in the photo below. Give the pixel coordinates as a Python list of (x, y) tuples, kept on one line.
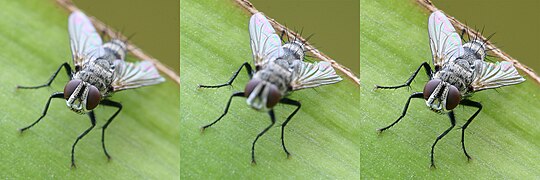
[(289, 102), (249, 71), (408, 82), (237, 94), (453, 122), (107, 102), (467, 102), (93, 121), (414, 95), (54, 95), (66, 67), (273, 119)]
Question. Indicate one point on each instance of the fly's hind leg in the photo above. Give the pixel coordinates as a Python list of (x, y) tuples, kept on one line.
[(408, 82), (48, 83), (249, 71)]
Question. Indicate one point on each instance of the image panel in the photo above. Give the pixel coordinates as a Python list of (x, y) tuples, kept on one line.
[(443, 99), (82, 96), (302, 103)]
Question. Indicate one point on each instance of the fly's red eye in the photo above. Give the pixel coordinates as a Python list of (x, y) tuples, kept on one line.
[(273, 96), (70, 87), (453, 98), (93, 98), (250, 86), (430, 87)]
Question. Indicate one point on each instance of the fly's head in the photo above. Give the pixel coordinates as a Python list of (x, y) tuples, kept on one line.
[(81, 97), (441, 96), (261, 95)]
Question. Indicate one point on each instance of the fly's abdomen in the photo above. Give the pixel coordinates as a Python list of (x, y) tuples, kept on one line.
[(475, 49), (115, 49), (293, 50)]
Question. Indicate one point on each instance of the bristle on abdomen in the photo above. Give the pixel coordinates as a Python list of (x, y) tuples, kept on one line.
[(116, 47)]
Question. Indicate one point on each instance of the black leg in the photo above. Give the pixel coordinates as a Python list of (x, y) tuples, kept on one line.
[(228, 83), (289, 102), (54, 95), (408, 82), (237, 94), (68, 71), (453, 122), (273, 119), (414, 95), (93, 121), (467, 102), (107, 102)]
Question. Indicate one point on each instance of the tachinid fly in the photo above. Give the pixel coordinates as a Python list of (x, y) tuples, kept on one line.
[(460, 70), (100, 70), (279, 70)]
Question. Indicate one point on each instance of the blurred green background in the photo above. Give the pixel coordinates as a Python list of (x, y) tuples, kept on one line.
[(155, 25), (516, 24), (335, 25)]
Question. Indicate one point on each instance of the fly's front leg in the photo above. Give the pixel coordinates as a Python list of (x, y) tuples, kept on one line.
[(414, 95), (107, 102), (48, 83), (237, 94), (408, 82), (288, 102), (273, 119), (249, 71), (453, 123), (467, 102), (93, 121), (54, 95)]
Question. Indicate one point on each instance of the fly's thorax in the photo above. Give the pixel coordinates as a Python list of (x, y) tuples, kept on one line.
[(99, 73), (458, 73), (475, 49), (441, 96), (268, 86), (81, 96), (115, 49), (293, 50)]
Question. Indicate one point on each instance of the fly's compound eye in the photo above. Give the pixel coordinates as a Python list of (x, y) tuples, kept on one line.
[(273, 96), (70, 87), (250, 86), (430, 87), (93, 98), (453, 98)]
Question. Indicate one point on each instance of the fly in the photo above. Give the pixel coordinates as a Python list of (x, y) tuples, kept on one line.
[(100, 71), (279, 70), (460, 70)]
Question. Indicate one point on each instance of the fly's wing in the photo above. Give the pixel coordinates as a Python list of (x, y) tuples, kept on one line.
[(84, 40), (493, 75), (133, 75), (308, 75), (445, 43), (265, 43)]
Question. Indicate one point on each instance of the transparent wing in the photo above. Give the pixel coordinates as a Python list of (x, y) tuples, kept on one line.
[(493, 75), (445, 43), (133, 75), (84, 40), (265, 43), (308, 75)]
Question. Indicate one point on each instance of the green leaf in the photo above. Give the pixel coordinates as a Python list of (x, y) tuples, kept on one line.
[(503, 140), (322, 136), (143, 139)]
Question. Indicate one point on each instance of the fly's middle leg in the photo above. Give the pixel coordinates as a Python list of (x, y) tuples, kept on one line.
[(249, 71), (93, 122), (467, 102), (453, 123), (408, 82), (48, 83), (273, 119)]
